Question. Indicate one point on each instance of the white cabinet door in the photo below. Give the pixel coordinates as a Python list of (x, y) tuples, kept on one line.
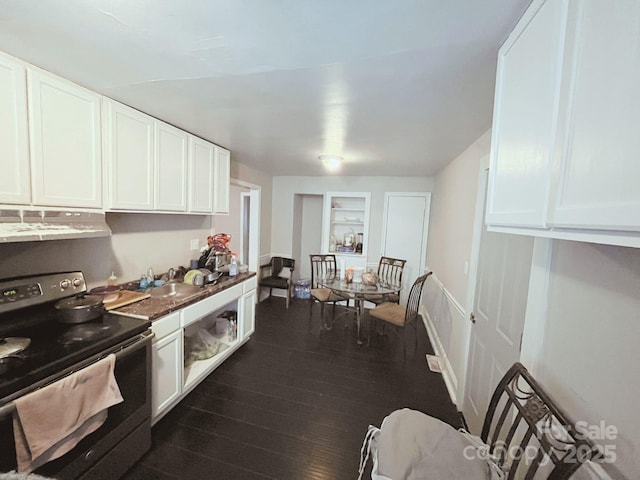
[(167, 369), (66, 153), (202, 179), (14, 142), (171, 168), (129, 152), (247, 321), (524, 123), (221, 181), (600, 169)]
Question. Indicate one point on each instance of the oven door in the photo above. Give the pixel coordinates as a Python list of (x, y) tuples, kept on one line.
[(124, 437)]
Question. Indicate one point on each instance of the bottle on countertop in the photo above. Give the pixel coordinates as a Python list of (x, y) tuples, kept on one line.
[(233, 268), (143, 282), (332, 243), (150, 277), (112, 280)]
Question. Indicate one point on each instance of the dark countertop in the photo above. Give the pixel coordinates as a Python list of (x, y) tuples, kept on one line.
[(154, 308)]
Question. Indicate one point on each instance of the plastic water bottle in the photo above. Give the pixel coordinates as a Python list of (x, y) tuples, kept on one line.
[(233, 268)]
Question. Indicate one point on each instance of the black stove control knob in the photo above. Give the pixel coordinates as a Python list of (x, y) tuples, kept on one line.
[(64, 284), (77, 282)]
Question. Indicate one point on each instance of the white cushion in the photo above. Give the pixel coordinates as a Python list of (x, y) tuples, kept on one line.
[(414, 446)]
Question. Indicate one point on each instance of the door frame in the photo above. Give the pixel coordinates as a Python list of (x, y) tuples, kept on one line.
[(478, 224), (535, 318), (254, 194), (425, 234)]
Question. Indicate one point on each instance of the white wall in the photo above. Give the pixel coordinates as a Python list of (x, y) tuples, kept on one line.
[(284, 189), (139, 240), (451, 225), (452, 217), (311, 232), (590, 350), (265, 182), (232, 223), (587, 353)]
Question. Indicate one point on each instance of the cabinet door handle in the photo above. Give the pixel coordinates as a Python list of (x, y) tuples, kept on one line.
[(472, 317)]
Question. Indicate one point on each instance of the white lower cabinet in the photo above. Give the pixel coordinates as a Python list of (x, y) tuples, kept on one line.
[(248, 324), (166, 378), (192, 342)]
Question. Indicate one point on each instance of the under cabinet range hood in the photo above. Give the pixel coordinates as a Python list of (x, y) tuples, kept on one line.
[(35, 225)]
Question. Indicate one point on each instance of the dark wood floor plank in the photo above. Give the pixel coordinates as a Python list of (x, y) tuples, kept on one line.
[(294, 402)]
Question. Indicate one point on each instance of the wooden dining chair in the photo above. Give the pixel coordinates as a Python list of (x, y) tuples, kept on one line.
[(275, 278), (399, 317), (322, 266), (390, 272)]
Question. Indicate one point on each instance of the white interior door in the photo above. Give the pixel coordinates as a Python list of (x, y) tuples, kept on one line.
[(499, 306), (405, 230)]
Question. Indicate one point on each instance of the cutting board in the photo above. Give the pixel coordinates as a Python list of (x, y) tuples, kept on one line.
[(125, 297)]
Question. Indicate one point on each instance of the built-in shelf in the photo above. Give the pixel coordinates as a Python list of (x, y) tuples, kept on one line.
[(345, 220)]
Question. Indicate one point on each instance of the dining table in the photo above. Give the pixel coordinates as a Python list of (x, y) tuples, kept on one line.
[(358, 291)]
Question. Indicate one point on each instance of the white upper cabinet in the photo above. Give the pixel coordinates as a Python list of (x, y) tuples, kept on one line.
[(599, 171), (202, 157), (129, 152), (222, 178), (171, 168), (153, 166), (14, 141), (523, 123), (566, 114), (66, 150)]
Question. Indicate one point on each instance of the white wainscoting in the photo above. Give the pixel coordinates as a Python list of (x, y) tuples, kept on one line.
[(445, 320)]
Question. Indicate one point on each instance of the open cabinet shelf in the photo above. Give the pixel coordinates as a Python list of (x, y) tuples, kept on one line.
[(345, 226)]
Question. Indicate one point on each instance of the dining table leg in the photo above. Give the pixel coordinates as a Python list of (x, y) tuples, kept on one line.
[(359, 316)]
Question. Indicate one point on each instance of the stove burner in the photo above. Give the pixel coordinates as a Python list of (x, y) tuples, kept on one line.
[(85, 332), (13, 345)]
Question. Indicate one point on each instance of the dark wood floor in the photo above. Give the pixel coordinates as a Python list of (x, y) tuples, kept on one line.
[(292, 403)]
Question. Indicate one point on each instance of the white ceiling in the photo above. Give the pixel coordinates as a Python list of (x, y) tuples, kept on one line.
[(397, 87)]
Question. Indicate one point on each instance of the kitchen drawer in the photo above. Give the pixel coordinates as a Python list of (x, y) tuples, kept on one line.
[(204, 307), (166, 325), (249, 285)]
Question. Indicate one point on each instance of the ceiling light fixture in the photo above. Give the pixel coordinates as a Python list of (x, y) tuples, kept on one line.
[(331, 162)]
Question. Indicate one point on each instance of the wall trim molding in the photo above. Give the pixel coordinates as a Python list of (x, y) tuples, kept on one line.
[(461, 310), (448, 375)]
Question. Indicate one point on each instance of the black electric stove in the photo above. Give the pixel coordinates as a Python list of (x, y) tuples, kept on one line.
[(27, 312)]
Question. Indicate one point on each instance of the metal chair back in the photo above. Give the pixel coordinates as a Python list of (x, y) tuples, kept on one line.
[(390, 270), (322, 265), (413, 303)]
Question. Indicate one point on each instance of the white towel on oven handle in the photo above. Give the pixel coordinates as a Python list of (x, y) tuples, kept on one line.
[(52, 420)]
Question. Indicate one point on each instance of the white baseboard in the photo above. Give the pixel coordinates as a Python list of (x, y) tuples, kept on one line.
[(448, 374)]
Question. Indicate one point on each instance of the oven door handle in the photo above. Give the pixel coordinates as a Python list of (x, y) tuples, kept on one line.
[(134, 345), (125, 350)]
